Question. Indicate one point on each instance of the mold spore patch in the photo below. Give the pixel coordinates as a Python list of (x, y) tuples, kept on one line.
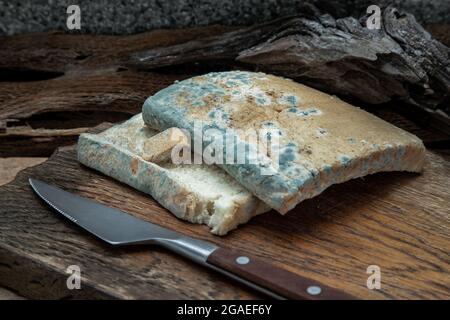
[(304, 112), (321, 132)]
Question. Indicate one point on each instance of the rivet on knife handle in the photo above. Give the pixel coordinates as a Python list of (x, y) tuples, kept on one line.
[(285, 283)]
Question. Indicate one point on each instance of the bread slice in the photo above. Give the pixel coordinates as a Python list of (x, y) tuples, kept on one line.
[(196, 193), (323, 139)]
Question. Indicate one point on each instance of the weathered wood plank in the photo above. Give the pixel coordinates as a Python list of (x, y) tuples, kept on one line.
[(6, 294), (398, 221), (59, 82), (9, 167)]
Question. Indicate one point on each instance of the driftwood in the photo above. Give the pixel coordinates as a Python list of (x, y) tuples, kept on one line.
[(400, 62), (54, 86)]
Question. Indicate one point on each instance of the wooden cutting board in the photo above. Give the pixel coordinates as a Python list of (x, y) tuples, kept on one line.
[(397, 221)]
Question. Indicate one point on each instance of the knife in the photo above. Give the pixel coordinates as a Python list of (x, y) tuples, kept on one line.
[(119, 228)]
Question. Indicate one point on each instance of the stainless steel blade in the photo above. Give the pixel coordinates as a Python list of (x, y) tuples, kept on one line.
[(117, 227)]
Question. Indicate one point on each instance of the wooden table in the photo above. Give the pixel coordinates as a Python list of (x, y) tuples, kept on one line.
[(397, 221), (55, 86), (9, 167)]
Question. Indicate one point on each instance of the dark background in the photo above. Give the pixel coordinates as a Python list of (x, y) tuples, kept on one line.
[(125, 17)]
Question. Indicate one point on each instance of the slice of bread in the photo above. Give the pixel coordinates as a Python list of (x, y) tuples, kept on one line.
[(323, 139), (197, 193)]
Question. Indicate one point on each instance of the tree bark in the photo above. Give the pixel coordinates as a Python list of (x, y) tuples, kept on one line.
[(399, 63)]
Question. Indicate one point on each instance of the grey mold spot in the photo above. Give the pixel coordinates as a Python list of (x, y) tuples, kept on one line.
[(344, 159)]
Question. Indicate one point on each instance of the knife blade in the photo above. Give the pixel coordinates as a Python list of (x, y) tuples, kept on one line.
[(119, 228)]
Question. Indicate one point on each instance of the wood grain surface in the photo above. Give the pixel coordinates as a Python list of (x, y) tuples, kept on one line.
[(397, 221), (9, 167), (6, 294), (53, 86)]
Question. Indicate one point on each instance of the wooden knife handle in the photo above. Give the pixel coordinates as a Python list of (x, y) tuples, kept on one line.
[(280, 281)]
